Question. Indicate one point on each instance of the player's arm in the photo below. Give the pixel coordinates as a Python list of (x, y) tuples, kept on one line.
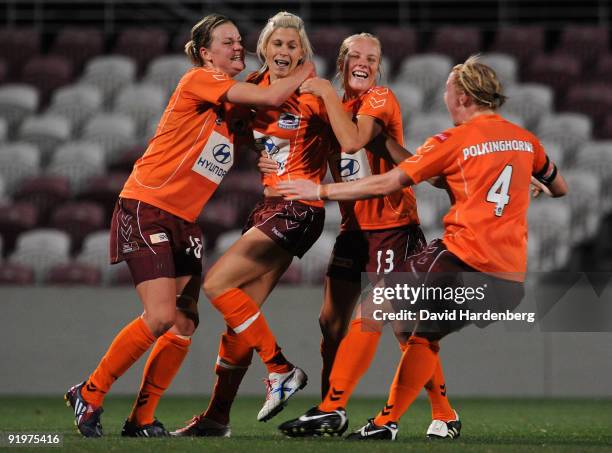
[(362, 189), (553, 184), (352, 136), (270, 96)]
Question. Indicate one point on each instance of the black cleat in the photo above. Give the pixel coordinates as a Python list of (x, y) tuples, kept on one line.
[(439, 429), (86, 416), (155, 429), (371, 431), (201, 426), (315, 422)]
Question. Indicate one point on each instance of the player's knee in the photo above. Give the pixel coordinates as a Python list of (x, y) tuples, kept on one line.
[(160, 323), (332, 329), (186, 323), (213, 287)]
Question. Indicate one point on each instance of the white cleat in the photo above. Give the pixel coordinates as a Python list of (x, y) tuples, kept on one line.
[(439, 429), (279, 388)]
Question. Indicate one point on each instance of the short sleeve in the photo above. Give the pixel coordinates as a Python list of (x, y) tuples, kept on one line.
[(379, 103), (431, 159), (540, 159), (208, 85)]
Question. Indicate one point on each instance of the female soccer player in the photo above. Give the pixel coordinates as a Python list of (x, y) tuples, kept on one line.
[(153, 227), (487, 163), (276, 231)]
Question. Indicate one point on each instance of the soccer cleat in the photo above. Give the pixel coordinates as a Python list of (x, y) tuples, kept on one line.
[(201, 426), (315, 422), (439, 429), (279, 388), (372, 431), (86, 416), (155, 429)]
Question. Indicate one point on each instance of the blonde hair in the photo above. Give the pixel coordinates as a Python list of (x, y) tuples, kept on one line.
[(479, 81), (343, 52), (282, 19), (201, 36)]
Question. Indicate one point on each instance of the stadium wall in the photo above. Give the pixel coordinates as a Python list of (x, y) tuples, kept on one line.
[(52, 337)]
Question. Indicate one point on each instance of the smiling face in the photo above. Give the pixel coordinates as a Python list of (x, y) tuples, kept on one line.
[(283, 52), (225, 52), (361, 65)]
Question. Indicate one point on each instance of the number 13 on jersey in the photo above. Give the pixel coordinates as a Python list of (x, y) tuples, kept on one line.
[(498, 193)]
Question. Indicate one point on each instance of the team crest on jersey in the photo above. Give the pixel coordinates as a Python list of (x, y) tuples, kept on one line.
[(288, 121), (442, 136)]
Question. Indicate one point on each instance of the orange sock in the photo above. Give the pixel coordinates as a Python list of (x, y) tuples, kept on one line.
[(415, 369), (127, 347), (354, 356), (242, 314), (436, 391), (232, 364), (161, 367)]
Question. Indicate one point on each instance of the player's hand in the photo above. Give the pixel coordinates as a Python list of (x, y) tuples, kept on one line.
[(537, 188), (316, 86), (298, 189), (266, 165)]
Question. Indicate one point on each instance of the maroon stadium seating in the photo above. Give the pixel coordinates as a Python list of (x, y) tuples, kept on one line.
[(47, 73), (78, 45), (78, 219), (326, 41), (522, 42), (73, 273), (16, 274), (45, 192), (456, 42), (142, 44), (15, 218), (593, 99), (397, 43), (17, 45), (216, 218), (557, 71), (584, 42), (105, 189)]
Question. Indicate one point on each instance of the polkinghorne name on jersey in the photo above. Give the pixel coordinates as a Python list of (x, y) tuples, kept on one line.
[(497, 146)]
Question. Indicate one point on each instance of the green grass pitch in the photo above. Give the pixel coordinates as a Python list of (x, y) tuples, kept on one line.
[(488, 425)]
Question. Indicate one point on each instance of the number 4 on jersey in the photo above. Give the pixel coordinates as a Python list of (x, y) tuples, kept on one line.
[(498, 193)]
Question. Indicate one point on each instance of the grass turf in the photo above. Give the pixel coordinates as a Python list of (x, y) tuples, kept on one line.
[(488, 425)]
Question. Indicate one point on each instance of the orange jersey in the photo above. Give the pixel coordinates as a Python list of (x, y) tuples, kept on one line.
[(296, 135), (396, 209), (193, 146), (488, 163)]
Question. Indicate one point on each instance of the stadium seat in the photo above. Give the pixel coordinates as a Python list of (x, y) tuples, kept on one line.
[(584, 201), (326, 40), (3, 71), (45, 192), (41, 249), (216, 218), (15, 218), (549, 222), (95, 252), (78, 45), (16, 102), (16, 274), (556, 153), (423, 126), (521, 41), (410, 98), (3, 130), (142, 44), (398, 43), (114, 132), (432, 204), (74, 274), (224, 242), (142, 103), (183, 36), (47, 73), (79, 162), (78, 103), (602, 70), (125, 161), (456, 41), (109, 73), (605, 132), (596, 158), (586, 43), (166, 71), (46, 132), (504, 65), (429, 72), (530, 102), (17, 45), (557, 71), (18, 161), (594, 100), (570, 130), (104, 189)]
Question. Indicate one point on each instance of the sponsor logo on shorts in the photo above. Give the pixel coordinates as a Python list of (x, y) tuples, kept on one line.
[(279, 234), (288, 121), (129, 247), (348, 167), (158, 237)]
